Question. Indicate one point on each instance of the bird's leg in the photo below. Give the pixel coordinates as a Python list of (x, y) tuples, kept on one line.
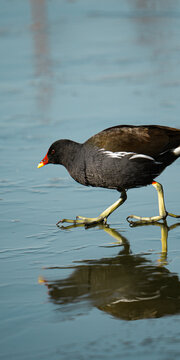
[(102, 218), (162, 209)]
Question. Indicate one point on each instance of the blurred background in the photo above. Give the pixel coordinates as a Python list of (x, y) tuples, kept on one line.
[(68, 70)]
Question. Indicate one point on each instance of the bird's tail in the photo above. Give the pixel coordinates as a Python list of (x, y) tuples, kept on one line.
[(169, 156)]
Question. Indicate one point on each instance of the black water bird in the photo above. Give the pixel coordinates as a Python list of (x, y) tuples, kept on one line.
[(121, 158)]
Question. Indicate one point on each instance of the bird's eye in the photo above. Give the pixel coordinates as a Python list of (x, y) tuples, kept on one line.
[(52, 151)]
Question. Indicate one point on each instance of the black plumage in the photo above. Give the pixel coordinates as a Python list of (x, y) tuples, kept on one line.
[(120, 157)]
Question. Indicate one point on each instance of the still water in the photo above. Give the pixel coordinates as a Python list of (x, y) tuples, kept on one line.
[(68, 70)]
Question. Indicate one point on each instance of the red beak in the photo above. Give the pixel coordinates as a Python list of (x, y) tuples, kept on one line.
[(43, 162)]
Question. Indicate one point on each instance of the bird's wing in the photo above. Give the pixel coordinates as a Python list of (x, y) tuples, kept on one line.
[(150, 140)]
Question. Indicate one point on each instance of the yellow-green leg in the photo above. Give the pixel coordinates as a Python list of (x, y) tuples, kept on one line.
[(102, 218), (162, 209)]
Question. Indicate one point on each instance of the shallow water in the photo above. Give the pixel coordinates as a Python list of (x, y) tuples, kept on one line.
[(68, 70)]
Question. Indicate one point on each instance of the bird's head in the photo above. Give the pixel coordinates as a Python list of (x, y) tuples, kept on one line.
[(53, 155)]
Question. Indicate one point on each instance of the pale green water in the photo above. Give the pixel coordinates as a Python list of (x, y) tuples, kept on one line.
[(68, 70)]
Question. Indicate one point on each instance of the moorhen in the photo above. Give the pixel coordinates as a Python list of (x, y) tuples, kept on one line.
[(121, 158)]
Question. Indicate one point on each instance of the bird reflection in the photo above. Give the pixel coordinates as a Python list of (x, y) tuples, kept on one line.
[(121, 240), (127, 286)]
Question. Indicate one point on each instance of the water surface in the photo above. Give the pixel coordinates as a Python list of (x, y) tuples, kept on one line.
[(68, 70)]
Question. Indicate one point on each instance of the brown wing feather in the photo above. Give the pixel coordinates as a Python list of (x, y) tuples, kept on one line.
[(149, 140)]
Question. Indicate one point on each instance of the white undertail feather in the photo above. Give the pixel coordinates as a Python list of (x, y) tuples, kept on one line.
[(176, 151)]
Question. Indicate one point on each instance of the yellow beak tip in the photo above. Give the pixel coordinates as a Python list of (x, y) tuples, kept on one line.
[(41, 280), (40, 165)]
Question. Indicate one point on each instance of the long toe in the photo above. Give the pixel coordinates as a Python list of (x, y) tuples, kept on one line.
[(90, 221), (84, 220), (144, 220), (173, 215), (66, 220)]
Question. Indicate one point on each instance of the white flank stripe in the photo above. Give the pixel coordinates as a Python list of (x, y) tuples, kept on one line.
[(121, 154), (117, 155), (141, 156), (177, 151)]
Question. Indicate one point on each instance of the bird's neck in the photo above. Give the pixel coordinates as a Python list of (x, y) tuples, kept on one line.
[(72, 159), (69, 152)]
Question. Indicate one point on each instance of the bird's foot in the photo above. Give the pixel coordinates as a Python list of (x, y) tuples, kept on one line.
[(153, 219), (101, 219), (85, 220)]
